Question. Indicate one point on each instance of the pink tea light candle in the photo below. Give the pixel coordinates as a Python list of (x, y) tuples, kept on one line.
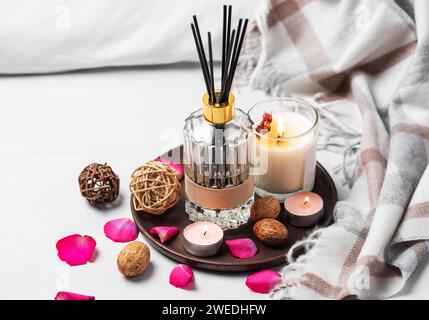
[(304, 209), (203, 238)]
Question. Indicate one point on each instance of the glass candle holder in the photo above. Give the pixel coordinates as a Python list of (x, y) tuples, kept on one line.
[(218, 140), (285, 146)]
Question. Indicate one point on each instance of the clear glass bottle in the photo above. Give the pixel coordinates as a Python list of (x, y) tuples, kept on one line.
[(217, 158)]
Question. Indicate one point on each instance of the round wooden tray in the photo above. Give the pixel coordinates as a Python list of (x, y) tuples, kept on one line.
[(267, 256)]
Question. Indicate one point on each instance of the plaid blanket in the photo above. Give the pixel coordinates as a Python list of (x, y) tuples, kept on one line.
[(374, 56)]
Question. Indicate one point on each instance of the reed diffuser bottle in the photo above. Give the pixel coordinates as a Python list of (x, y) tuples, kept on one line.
[(218, 141)]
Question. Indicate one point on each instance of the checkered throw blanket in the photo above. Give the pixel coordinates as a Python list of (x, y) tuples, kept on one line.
[(374, 56)]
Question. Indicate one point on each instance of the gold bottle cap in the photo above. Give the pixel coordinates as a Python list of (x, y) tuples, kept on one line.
[(218, 114)]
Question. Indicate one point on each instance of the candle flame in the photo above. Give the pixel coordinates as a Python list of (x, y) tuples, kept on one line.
[(306, 201), (280, 128), (205, 230)]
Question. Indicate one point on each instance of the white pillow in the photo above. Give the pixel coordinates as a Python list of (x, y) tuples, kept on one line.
[(49, 35)]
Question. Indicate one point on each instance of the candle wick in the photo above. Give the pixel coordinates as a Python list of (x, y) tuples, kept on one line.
[(205, 231), (306, 202)]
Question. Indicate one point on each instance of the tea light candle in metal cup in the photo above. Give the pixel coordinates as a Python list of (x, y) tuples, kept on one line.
[(203, 238), (304, 209)]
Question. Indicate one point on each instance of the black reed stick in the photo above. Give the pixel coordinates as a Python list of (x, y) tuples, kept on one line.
[(209, 36), (206, 79), (223, 45), (222, 98), (225, 92), (231, 48), (228, 34), (203, 53), (237, 40), (235, 58)]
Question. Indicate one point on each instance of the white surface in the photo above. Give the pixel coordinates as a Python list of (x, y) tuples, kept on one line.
[(50, 128)]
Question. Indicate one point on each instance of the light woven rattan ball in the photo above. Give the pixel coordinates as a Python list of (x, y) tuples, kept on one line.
[(155, 188), (99, 184)]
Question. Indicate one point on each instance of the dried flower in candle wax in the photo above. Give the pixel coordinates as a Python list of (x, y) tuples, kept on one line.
[(265, 125)]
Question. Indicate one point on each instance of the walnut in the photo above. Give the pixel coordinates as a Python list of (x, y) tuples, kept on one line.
[(270, 231), (266, 207), (133, 259)]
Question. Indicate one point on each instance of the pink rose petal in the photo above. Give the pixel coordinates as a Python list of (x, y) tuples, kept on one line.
[(182, 276), (263, 281), (76, 249), (63, 295), (121, 230), (242, 248), (176, 166), (165, 233)]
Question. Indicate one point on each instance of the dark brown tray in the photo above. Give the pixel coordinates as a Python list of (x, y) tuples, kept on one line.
[(267, 256)]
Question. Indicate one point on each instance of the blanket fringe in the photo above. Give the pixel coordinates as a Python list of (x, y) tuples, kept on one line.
[(296, 259)]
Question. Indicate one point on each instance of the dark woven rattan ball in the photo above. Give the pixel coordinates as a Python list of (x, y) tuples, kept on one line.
[(99, 184)]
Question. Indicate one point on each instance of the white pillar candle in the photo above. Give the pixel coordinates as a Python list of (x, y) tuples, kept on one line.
[(286, 152)]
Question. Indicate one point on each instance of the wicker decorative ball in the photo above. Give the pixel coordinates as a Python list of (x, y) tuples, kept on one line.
[(99, 184), (155, 188)]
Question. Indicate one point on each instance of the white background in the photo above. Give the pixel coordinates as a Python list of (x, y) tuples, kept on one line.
[(51, 127)]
